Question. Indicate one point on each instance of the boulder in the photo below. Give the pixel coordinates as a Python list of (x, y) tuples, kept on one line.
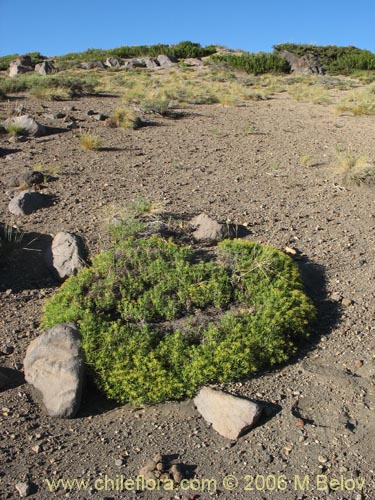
[(27, 202), (193, 61), (112, 62), (67, 255), (308, 64), (54, 365), (229, 415), (45, 68), (151, 62), (20, 65), (93, 65), (166, 61), (135, 63), (27, 179), (208, 230), (27, 125)]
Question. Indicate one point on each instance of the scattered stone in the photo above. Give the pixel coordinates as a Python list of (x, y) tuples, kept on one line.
[(27, 202), (100, 117), (26, 180), (166, 61), (112, 62), (7, 349), (59, 115), (346, 302), (358, 364), (290, 250), (45, 68), (54, 366), (91, 112), (159, 468), (20, 65), (300, 423), (24, 489), (67, 255), (229, 415), (209, 230), (27, 125), (119, 462)]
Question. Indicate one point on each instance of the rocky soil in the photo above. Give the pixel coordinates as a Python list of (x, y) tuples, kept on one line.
[(237, 163)]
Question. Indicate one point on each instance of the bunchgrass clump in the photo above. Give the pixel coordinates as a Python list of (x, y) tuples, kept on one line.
[(360, 102), (90, 141), (14, 129), (125, 118), (357, 169), (311, 93), (10, 238), (159, 319)]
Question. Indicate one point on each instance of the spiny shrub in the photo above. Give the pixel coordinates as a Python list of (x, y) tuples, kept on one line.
[(157, 321), (262, 62)]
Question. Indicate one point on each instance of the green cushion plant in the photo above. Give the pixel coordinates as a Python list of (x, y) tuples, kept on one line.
[(159, 319)]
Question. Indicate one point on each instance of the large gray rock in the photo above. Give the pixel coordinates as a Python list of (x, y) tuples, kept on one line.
[(45, 68), (93, 65), (151, 62), (67, 254), (229, 415), (166, 61), (27, 202), (54, 365), (135, 63), (112, 62), (308, 64), (20, 65), (193, 61), (208, 230), (27, 125)]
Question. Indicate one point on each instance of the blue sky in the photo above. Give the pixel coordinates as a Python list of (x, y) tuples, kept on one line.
[(57, 27)]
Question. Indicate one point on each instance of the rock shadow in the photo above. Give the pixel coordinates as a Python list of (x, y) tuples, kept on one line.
[(23, 266), (10, 378)]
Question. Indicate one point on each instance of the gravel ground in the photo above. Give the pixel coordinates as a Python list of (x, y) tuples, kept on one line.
[(243, 164)]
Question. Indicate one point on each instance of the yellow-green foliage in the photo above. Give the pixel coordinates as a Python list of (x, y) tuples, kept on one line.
[(355, 168), (125, 118), (360, 102), (309, 93), (90, 141), (138, 308)]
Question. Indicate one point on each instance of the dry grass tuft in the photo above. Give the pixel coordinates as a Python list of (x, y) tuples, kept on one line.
[(90, 141), (356, 169)]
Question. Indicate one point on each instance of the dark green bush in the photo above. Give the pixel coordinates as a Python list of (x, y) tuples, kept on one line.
[(333, 59), (256, 64), (157, 322), (180, 50)]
